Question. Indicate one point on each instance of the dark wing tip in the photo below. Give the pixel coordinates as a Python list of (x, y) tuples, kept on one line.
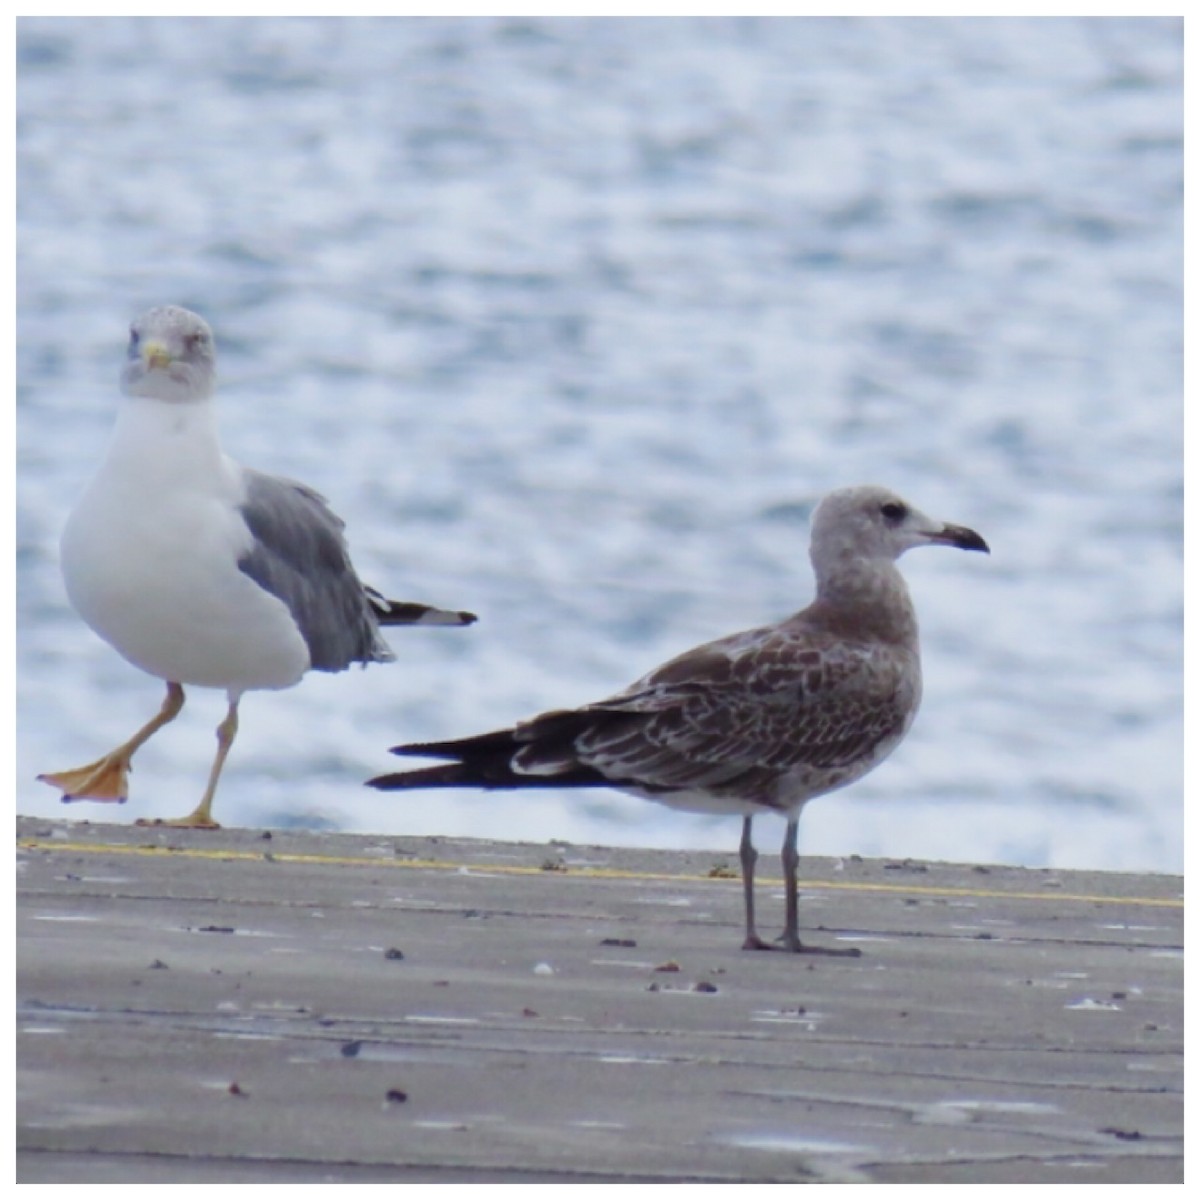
[(384, 782), (403, 612), (416, 750), (441, 616)]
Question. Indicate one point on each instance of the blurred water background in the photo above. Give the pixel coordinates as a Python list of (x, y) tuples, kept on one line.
[(573, 321)]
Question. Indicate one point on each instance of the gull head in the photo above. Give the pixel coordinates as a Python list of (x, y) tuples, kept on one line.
[(874, 523), (171, 356)]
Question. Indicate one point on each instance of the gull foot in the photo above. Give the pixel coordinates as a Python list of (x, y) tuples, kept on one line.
[(192, 821), (754, 942), (107, 779), (796, 946)]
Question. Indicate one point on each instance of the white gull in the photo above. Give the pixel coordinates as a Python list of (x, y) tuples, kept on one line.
[(201, 571)]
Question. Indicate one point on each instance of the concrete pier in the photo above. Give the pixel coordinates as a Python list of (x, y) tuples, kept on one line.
[(244, 1006)]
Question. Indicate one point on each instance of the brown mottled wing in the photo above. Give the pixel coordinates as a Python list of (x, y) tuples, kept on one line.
[(740, 712)]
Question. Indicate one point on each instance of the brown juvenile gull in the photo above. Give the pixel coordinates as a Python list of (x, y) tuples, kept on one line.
[(201, 571), (762, 721)]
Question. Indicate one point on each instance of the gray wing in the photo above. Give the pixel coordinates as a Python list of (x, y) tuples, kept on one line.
[(736, 715), (300, 556)]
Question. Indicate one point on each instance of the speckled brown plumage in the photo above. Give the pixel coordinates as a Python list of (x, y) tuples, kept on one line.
[(761, 721)]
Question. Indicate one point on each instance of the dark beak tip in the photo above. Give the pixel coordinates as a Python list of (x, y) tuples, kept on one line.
[(964, 539)]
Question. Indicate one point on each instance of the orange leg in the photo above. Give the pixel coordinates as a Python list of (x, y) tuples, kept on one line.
[(107, 778), (201, 816)]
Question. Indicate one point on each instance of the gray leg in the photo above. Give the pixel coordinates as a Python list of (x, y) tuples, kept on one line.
[(791, 932), (749, 857), (791, 859)]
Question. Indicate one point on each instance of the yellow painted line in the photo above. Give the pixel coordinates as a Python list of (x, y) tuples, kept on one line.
[(427, 864)]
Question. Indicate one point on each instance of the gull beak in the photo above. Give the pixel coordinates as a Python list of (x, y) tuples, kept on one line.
[(156, 356), (960, 536)]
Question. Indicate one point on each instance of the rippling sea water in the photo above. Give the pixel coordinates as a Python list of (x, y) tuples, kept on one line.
[(574, 321)]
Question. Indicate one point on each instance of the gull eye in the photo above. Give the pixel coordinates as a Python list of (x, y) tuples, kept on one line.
[(893, 511)]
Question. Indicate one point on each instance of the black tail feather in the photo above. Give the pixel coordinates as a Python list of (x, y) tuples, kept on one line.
[(486, 761), (490, 776), (405, 612), (503, 741)]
